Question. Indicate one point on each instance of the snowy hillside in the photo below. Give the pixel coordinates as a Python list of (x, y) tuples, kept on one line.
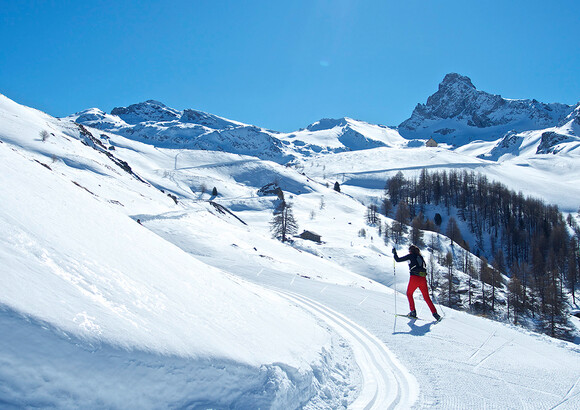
[(551, 178), (76, 265), (458, 113), (340, 135), (199, 307)]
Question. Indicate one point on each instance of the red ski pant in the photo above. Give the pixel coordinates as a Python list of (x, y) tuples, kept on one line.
[(421, 283)]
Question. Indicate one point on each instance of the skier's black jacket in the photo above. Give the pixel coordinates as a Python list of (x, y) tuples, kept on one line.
[(416, 263)]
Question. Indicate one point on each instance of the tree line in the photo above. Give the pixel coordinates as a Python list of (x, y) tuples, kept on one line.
[(525, 239)]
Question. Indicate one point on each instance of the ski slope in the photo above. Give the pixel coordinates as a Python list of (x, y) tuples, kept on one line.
[(463, 361), (386, 382), (197, 308)]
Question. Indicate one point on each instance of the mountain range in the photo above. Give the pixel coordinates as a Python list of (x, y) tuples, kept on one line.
[(456, 115)]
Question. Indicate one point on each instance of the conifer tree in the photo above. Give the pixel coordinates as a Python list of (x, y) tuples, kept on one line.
[(283, 223), (554, 311), (395, 188), (387, 232), (515, 294), (387, 207), (498, 267), (400, 223), (416, 230), (449, 288), (472, 274), (403, 215), (484, 277), (453, 231), (372, 215), (572, 274), (438, 219)]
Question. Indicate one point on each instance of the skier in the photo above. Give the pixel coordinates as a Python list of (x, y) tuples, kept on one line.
[(417, 279)]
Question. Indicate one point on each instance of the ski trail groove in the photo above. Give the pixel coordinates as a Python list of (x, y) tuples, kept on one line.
[(478, 365), (568, 395), (387, 384), (481, 347)]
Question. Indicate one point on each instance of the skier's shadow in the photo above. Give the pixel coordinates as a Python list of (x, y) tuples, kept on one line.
[(415, 330)]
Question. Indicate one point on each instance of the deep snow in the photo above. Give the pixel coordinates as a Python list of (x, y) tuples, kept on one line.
[(197, 308)]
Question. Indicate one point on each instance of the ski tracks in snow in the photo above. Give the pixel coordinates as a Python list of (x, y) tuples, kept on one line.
[(569, 395), (387, 384)]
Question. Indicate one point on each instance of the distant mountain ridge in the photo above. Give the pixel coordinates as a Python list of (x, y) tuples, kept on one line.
[(154, 123), (155, 111), (341, 135), (458, 113), (554, 140)]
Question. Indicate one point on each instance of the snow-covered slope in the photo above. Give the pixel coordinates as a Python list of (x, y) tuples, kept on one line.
[(339, 135), (199, 307), (552, 178), (458, 113), (564, 139), (77, 265)]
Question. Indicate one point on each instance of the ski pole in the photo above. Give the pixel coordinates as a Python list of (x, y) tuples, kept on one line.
[(395, 280), (436, 301)]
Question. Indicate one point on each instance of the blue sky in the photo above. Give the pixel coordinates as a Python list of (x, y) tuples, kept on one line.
[(284, 64)]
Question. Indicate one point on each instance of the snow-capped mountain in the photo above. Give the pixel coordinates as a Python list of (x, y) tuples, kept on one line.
[(458, 114), (341, 135), (154, 123), (572, 121), (197, 306), (555, 140)]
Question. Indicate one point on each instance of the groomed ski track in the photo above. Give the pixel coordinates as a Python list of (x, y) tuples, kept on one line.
[(387, 384)]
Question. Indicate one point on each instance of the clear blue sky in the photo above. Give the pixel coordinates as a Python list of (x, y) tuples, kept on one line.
[(284, 64)]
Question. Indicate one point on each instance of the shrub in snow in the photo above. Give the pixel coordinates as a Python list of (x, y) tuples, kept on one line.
[(44, 135)]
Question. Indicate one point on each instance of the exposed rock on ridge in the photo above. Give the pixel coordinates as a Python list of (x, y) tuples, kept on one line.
[(154, 123), (458, 113)]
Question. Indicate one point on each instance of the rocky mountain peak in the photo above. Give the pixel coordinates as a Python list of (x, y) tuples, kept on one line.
[(458, 113), (454, 81), (327, 124), (149, 110), (456, 96)]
